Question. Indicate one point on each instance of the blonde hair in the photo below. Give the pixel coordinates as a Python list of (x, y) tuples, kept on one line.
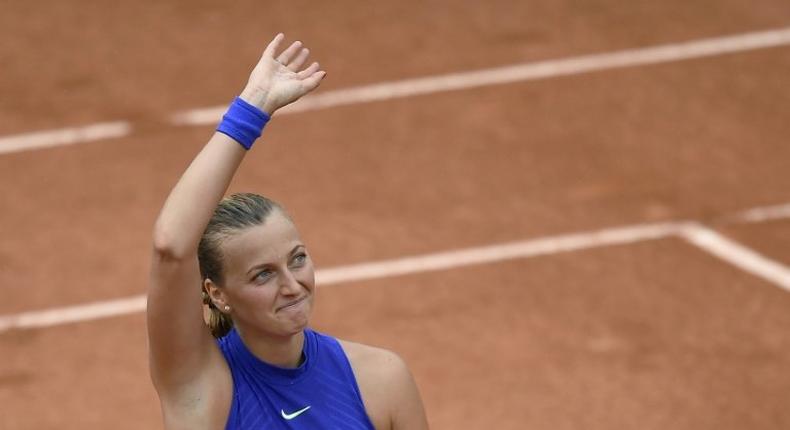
[(233, 213)]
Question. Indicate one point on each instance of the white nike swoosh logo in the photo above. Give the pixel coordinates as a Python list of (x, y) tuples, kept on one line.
[(293, 415)]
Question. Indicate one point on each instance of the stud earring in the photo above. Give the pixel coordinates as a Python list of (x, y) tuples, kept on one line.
[(227, 308)]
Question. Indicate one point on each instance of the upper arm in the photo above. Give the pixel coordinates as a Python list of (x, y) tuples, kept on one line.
[(407, 408), (180, 345)]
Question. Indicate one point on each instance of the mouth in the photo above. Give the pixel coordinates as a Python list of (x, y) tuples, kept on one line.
[(291, 304)]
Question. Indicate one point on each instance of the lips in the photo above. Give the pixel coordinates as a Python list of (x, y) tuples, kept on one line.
[(291, 304)]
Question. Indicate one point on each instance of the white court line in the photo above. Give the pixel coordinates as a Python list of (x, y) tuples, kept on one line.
[(65, 315), (762, 214), (736, 254), (516, 73), (495, 253), (698, 235), (381, 269), (64, 136), (431, 84)]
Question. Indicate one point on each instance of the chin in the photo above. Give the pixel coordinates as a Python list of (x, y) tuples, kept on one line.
[(296, 324), (302, 322)]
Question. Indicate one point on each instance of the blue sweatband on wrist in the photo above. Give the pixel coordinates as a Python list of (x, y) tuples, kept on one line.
[(243, 122)]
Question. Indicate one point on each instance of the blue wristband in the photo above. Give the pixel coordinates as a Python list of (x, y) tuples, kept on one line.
[(243, 122)]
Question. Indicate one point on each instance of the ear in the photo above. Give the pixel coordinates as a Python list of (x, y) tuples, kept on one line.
[(215, 294)]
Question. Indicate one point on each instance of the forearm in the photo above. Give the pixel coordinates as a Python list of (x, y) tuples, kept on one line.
[(191, 203)]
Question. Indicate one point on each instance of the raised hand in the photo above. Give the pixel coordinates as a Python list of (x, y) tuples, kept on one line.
[(277, 79)]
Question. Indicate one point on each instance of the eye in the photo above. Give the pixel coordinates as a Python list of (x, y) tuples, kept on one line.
[(263, 276), (299, 259)]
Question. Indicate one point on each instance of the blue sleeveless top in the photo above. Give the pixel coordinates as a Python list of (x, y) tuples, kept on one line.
[(322, 393)]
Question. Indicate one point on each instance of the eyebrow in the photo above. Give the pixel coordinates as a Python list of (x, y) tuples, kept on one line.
[(262, 265)]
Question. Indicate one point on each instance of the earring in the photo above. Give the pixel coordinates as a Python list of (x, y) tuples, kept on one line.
[(227, 308)]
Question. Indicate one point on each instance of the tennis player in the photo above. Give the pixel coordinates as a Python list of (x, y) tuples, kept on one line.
[(257, 365)]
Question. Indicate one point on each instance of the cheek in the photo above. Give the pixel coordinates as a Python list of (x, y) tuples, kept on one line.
[(255, 299)]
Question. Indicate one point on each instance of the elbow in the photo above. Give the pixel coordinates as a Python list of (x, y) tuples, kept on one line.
[(167, 246)]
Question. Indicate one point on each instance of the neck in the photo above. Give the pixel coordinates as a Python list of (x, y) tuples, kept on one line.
[(278, 351)]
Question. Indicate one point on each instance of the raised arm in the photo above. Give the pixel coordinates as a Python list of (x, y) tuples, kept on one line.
[(179, 342)]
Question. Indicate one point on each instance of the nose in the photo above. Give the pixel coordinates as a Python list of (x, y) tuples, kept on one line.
[(289, 285)]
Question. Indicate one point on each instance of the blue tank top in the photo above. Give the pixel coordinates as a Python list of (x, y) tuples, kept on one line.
[(321, 393)]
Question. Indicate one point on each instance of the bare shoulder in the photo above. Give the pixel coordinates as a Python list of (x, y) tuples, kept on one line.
[(388, 389), (373, 361)]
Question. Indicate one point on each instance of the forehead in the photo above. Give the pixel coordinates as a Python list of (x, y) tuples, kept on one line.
[(269, 242)]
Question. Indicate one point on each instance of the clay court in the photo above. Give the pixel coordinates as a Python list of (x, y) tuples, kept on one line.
[(562, 215)]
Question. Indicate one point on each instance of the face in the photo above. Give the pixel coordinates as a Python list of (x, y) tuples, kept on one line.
[(269, 278)]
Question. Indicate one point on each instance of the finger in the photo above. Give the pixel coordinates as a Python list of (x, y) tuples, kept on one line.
[(285, 57), (313, 81), (299, 60), (272, 47), (309, 71)]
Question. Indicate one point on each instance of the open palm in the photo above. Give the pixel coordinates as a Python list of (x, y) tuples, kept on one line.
[(277, 79)]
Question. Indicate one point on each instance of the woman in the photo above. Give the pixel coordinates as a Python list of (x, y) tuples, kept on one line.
[(266, 369)]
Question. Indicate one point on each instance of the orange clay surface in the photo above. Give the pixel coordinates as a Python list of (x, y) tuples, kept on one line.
[(652, 335)]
